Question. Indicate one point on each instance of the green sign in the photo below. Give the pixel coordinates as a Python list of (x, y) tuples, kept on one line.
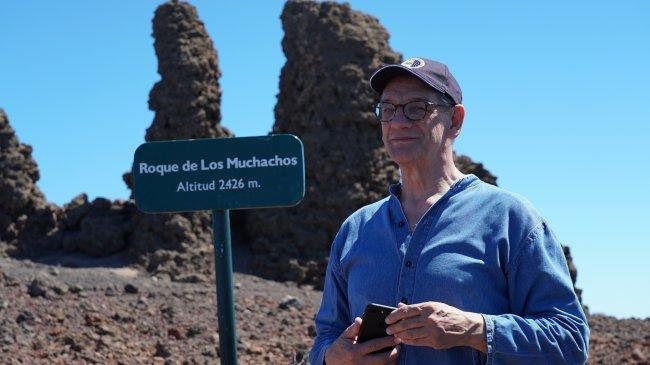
[(221, 173)]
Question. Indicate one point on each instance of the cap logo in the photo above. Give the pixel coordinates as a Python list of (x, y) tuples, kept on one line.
[(413, 63)]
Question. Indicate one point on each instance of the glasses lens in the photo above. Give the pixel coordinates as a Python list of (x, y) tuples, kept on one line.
[(385, 111), (415, 110)]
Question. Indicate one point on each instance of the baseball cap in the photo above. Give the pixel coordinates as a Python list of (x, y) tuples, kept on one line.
[(433, 73)]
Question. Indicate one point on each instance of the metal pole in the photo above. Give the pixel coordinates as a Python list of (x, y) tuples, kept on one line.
[(225, 298)]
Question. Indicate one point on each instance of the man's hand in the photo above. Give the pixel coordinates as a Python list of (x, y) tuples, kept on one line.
[(345, 350), (437, 325)]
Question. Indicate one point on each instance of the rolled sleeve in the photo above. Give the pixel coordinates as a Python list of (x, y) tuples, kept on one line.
[(547, 324)]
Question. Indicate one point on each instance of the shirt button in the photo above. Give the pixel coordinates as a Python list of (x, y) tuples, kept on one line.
[(405, 301), (401, 224), (408, 264)]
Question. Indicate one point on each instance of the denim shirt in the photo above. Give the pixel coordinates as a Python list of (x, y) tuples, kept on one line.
[(479, 248)]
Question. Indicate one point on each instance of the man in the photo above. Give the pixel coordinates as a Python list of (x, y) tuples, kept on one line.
[(475, 272)]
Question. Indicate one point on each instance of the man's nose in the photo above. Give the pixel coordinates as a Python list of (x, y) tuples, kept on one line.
[(399, 119)]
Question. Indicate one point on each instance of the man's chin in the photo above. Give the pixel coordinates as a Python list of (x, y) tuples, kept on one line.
[(401, 157)]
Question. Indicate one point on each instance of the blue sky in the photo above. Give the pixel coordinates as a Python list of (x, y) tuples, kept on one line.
[(555, 92)]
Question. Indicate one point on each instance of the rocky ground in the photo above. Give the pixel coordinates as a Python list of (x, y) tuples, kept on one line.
[(619, 341), (69, 310), (52, 314)]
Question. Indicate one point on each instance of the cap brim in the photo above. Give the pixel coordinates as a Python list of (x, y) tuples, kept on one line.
[(381, 77)]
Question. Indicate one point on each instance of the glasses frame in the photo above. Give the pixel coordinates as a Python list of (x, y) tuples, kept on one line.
[(397, 106)]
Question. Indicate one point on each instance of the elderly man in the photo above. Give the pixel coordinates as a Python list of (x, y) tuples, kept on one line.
[(475, 272)]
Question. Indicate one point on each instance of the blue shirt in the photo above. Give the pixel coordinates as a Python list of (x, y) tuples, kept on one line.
[(479, 248)]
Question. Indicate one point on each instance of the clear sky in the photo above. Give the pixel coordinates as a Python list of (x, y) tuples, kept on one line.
[(556, 94)]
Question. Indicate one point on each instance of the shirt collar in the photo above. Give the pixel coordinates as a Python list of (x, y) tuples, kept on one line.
[(395, 189), (460, 184)]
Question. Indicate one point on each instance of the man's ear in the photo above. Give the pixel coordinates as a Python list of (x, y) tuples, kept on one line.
[(457, 117)]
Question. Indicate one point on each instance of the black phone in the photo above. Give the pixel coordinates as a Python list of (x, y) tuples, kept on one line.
[(373, 324)]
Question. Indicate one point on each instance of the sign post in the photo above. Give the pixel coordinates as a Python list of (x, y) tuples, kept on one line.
[(219, 175), (223, 275)]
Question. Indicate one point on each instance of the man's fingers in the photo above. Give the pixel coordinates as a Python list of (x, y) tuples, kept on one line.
[(353, 330), (392, 357), (402, 312), (422, 341), (405, 324), (388, 357), (369, 346), (413, 334)]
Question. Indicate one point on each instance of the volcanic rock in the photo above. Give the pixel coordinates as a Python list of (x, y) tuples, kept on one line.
[(187, 105), (75, 211), (573, 272), (187, 98), (103, 229), (162, 350), (41, 286), (37, 288), (27, 222), (290, 301), (467, 166), (195, 329), (186, 102), (325, 99), (173, 244), (131, 289), (19, 172)]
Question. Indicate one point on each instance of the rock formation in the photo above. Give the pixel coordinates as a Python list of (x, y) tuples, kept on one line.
[(27, 221), (187, 105), (467, 166), (98, 228), (187, 99), (573, 272), (325, 99)]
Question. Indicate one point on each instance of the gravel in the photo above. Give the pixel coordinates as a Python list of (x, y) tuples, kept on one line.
[(164, 322)]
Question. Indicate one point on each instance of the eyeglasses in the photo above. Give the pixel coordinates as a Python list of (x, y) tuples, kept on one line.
[(413, 111)]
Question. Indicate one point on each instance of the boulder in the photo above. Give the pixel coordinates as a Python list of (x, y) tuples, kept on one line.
[(102, 229)]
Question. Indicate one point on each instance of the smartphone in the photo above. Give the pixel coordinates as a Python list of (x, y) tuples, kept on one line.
[(373, 324)]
